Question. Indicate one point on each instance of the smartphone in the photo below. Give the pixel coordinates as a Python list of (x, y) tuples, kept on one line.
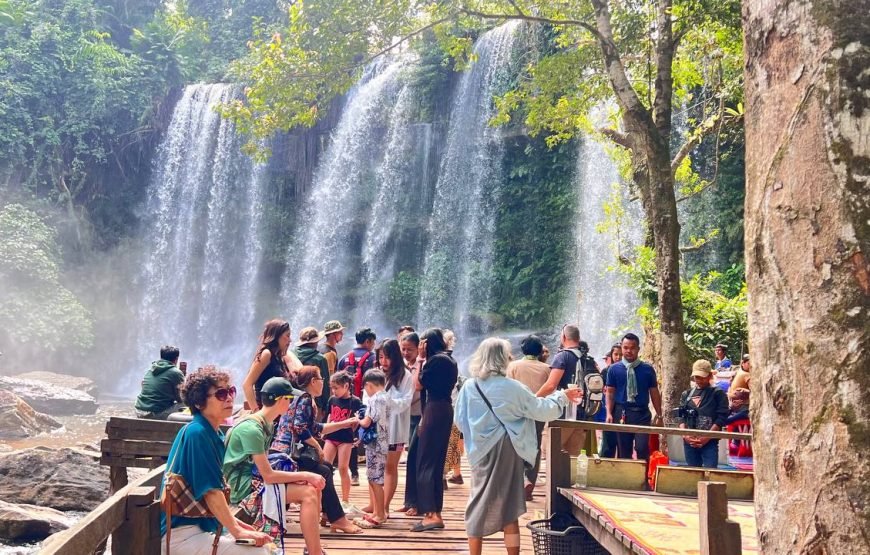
[(246, 541)]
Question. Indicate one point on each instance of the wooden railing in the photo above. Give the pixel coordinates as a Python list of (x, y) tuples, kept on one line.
[(131, 516)]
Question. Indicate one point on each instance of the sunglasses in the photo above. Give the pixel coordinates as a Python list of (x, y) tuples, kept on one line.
[(222, 393)]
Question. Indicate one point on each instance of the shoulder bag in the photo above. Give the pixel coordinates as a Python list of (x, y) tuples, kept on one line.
[(177, 498)]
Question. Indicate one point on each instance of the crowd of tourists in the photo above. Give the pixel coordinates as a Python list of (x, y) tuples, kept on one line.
[(311, 412)]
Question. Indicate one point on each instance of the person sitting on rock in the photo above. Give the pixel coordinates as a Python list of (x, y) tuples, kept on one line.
[(161, 387)]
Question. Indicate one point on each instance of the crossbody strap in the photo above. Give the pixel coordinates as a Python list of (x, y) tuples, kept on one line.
[(488, 404)]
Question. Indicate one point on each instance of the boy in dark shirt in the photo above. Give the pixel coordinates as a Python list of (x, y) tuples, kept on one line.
[(341, 406)]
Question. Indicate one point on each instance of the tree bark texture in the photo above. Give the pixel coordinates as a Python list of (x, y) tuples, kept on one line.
[(807, 67)]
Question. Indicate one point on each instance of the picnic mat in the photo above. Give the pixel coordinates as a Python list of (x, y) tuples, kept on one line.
[(664, 525)]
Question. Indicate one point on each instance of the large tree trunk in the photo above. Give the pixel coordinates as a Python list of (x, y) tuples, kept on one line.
[(807, 241)]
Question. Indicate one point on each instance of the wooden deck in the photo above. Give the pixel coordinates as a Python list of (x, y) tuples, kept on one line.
[(395, 536)]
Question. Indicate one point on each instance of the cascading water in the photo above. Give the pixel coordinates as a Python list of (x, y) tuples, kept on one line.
[(402, 180), (323, 261), (456, 282), (202, 252), (601, 302)]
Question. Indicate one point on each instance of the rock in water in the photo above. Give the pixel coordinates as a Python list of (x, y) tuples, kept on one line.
[(63, 479), (52, 399), (19, 420), (63, 380), (29, 522)]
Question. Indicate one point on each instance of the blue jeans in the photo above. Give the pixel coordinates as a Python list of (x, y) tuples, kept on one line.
[(705, 457)]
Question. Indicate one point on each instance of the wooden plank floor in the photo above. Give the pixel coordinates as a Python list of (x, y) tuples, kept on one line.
[(395, 537)]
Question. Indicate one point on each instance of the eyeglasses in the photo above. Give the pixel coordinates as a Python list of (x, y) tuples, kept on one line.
[(222, 393)]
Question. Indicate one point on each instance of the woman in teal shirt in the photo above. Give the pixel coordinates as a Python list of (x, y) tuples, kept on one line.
[(497, 417), (197, 454)]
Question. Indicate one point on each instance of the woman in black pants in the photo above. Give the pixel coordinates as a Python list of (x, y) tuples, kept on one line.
[(300, 424), (437, 378)]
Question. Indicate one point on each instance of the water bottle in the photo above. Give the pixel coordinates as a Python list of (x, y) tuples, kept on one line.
[(582, 469)]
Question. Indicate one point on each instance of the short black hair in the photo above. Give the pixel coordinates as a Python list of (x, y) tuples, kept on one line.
[(631, 337), (406, 328), (169, 352), (583, 345), (364, 335), (412, 337), (532, 346), (376, 377)]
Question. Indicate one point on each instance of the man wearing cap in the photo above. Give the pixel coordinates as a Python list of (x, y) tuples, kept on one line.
[(306, 350), (247, 444), (703, 407), (333, 331)]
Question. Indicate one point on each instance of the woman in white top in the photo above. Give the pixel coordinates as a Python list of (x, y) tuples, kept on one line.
[(400, 389)]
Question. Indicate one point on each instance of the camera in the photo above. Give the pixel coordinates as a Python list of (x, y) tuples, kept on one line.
[(688, 415)]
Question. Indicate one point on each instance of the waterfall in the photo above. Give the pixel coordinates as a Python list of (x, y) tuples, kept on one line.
[(402, 179), (324, 262), (201, 249), (601, 302), (456, 280)]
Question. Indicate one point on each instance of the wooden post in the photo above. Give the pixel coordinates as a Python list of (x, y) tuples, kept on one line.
[(558, 473), (719, 536), (117, 478), (140, 532)]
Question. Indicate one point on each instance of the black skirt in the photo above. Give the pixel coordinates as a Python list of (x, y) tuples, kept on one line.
[(433, 435)]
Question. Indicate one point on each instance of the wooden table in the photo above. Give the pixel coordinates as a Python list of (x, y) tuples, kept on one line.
[(649, 523)]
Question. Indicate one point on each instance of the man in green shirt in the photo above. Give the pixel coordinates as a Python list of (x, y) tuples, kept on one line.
[(247, 445), (161, 387)]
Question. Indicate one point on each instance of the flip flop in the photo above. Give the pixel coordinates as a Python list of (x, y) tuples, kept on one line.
[(412, 512), (420, 527)]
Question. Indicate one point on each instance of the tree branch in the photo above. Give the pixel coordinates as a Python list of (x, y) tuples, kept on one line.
[(617, 137), (535, 19), (517, 8), (626, 96), (714, 122)]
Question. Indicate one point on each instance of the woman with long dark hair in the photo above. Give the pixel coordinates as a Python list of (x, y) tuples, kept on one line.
[(437, 378), (268, 361), (400, 389)]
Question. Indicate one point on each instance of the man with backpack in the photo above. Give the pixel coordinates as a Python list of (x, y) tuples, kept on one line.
[(570, 367), (360, 360), (356, 363), (306, 350)]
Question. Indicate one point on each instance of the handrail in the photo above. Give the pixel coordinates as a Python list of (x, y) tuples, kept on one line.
[(93, 530), (633, 429)]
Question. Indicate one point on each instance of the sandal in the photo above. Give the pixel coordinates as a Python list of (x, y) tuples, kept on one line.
[(412, 512), (338, 530), (367, 522), (420, 527)]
